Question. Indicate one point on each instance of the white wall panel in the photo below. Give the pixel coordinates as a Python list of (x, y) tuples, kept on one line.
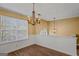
[(60, 43)]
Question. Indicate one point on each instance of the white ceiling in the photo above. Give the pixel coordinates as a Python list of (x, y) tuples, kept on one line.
[(47, 10)]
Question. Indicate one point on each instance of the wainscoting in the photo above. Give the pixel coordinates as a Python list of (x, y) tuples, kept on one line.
[(62, 44)]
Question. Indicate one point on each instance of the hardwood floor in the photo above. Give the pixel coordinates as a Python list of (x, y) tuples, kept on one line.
[(78, 52), (36, 50)]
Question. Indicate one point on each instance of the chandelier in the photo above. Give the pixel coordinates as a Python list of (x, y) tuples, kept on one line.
[(34, 20)]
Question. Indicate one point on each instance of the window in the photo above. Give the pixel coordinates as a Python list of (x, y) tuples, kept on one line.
[(12, 29)]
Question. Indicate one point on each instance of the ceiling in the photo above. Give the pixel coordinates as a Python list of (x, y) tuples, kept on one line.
[(47, 10)]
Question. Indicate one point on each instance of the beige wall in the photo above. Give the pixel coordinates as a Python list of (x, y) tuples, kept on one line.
[(31, 29), (36, 29), (68, 26), (40, 27)]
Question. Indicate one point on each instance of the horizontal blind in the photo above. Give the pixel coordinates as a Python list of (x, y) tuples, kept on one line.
[(12, 29)]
